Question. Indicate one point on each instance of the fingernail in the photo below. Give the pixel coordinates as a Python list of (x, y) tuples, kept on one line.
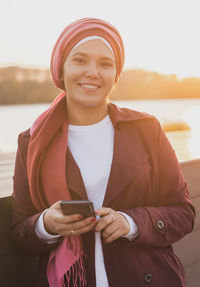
[(80, 217), (93, 219)]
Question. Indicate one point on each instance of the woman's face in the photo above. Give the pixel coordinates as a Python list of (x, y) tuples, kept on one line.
[(89, 74)]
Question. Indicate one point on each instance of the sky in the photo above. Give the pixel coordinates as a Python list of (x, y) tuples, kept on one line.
[(159, 35)]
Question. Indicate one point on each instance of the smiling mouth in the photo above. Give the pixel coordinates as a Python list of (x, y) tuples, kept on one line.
[(91, 87)]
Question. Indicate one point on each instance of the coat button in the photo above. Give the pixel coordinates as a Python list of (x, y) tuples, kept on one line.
[(160, 224), (23, 231), (148, 278)]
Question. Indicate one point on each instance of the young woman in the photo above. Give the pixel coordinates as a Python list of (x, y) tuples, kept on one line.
[(84, 147)]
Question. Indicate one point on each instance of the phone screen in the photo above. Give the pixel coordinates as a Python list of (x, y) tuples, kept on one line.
[(83, 207)]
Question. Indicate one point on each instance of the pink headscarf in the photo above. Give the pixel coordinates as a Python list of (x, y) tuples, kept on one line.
[(74, 33)]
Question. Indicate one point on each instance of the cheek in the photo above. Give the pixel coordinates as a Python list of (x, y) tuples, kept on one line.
[(111, 75), (110, 79), (71, 71), (71, 77), (108, 75)]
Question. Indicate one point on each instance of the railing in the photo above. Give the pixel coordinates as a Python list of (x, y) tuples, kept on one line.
[(7, 161), (188, 248)]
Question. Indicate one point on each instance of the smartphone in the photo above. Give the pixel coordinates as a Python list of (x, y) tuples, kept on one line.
[(83, 207)]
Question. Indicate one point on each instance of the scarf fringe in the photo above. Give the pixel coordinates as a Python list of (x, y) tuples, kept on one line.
[(76, 275)]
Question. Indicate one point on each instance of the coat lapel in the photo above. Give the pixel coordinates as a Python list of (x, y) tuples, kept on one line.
[(128, 160), (74, 178)]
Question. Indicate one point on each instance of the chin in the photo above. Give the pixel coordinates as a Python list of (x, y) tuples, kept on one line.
[(92, 102)]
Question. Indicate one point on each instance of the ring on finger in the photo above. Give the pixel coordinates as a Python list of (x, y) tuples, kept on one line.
[(72, 232)]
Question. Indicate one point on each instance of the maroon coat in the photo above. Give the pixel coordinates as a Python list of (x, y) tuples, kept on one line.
[(146, 182)]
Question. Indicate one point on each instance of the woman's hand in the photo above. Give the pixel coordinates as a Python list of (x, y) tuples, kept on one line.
[(55, 222), (112, 224)]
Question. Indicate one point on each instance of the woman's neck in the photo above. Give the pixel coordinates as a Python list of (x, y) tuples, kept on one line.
[(83, 116)]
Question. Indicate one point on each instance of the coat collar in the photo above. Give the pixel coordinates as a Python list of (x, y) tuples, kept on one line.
[(127, 161), (118, 115)]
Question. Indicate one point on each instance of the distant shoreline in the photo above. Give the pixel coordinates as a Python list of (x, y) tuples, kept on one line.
[(23, 86), (116, 100)]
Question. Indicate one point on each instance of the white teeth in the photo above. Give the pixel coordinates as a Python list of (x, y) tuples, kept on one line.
[(89, 86)]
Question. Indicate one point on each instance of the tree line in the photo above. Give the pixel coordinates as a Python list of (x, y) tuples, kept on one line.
[(25, 86)]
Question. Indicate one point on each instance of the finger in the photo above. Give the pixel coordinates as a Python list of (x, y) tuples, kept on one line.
[(61, 218), (56, 206), (115, 235), (61, 228), (65, 232), (103, 211), (77, 232), (103, 222), (81, 223), (111, 228), (86, 228)]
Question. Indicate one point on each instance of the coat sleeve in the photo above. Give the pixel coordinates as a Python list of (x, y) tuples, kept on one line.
[(24, 215), (172, 215)]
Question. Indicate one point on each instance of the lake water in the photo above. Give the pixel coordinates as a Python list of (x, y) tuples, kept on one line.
[(16, 118)]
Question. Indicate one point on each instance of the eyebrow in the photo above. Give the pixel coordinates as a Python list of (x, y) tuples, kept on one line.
[(85, 55)]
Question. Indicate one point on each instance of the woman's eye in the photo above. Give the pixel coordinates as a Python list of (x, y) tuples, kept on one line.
[(79, 60), (107, 64)]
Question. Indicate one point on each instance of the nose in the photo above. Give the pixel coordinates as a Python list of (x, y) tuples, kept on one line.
[(92, 70)]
